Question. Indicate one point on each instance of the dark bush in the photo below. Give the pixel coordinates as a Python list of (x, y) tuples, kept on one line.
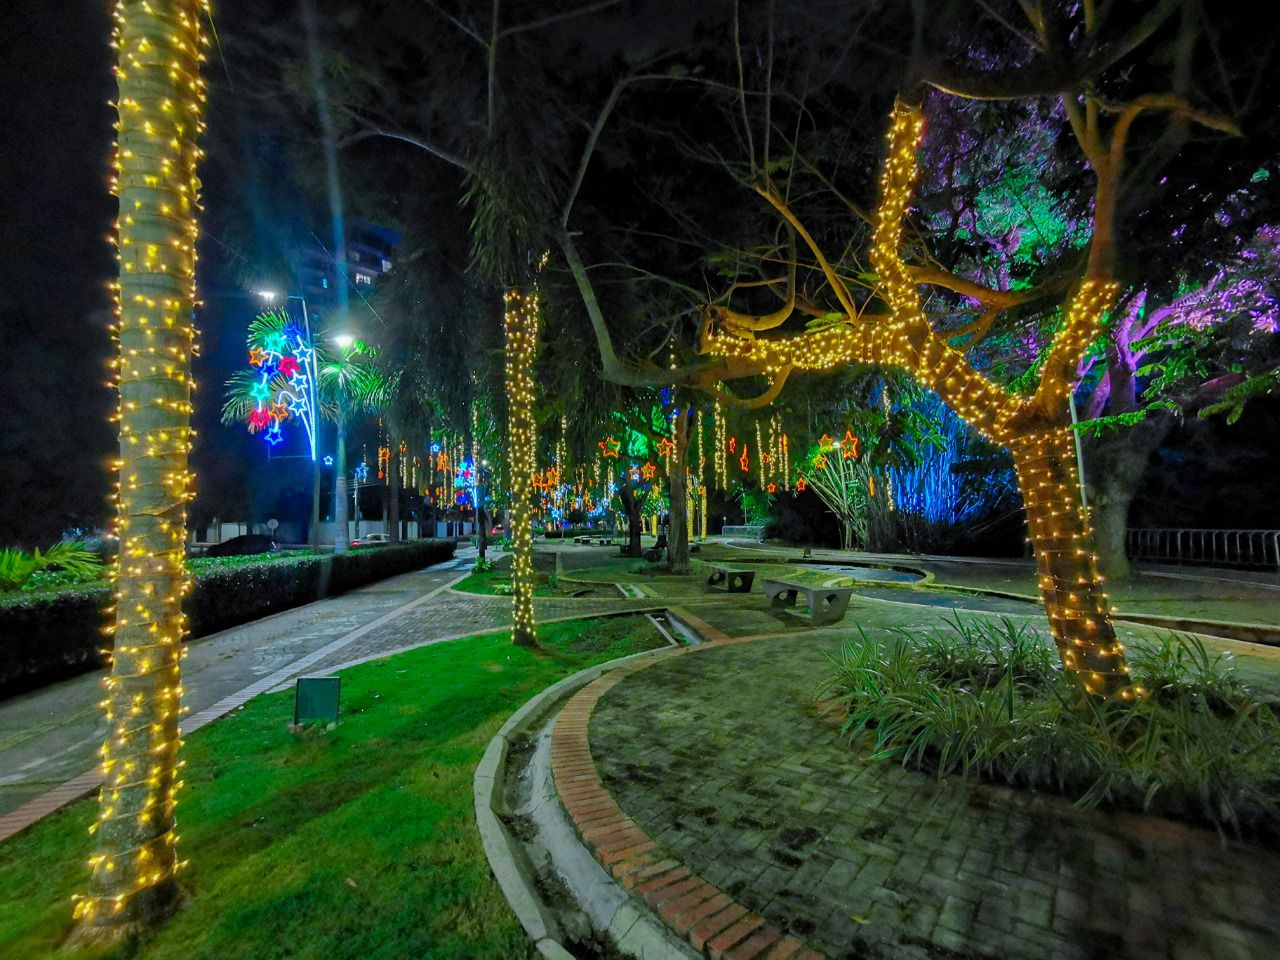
[(45, 637), (570, 532)]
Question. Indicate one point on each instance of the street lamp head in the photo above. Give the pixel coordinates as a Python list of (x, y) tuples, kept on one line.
[(344, 340), (268, 295)]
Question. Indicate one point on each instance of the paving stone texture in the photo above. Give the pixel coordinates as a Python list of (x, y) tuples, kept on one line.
[(721, 758)]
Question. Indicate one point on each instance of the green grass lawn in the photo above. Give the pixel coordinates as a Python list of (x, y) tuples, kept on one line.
[(493, 583), (359, 842)]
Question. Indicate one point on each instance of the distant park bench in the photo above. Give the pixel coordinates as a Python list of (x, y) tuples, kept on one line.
[(734, 579), (585, 541), (826, 604)]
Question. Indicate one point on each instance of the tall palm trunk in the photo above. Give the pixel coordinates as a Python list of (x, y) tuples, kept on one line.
[(1069, 582), (393, 493), (341, 536), (678, 528), (313, 531), (159, 48), (521, 329)]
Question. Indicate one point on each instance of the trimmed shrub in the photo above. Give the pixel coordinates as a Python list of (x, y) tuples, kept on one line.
[(45, 637), (568, 532)]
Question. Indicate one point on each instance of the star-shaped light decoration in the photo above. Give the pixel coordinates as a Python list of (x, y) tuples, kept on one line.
[(259, 418), (648, 471), (274, 342), (278, 412), (772, 488), (820, 461), (261, 391), (610, 447), (256, 356), (665, 447), (274, 436), (303, 353), (289, 367), (635, 473), (744, 460), (767, 457), (850, 445), (802, 484), (733, 444), (826, 443)]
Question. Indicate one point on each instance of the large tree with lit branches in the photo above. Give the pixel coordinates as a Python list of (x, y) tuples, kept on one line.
[(1034, 426)]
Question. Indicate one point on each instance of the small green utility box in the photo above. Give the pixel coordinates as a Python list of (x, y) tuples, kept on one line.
[(315, 700)]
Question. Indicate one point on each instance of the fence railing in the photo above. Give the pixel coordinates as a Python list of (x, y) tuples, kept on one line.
[(1219, 548), (752, 531)]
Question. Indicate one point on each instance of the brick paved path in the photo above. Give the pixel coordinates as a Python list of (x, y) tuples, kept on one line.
[(719, 756)]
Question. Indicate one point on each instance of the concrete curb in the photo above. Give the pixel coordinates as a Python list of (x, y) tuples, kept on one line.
[(509, 865), (705, 917)]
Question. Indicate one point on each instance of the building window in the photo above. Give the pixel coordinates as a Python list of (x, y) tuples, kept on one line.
[(355, 256), (324, 282), (363, 278), (386, 264)]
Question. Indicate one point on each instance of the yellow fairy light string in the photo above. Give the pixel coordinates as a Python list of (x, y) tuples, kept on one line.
[(1033, 429), (760, 464), (521, 328), (159, 48)]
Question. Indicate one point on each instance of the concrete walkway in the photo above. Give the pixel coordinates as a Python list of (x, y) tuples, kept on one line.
[(51, 736)]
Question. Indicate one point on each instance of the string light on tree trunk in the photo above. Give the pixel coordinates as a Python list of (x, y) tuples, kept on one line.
[(1032, 428), (159, 48), (521, 329)]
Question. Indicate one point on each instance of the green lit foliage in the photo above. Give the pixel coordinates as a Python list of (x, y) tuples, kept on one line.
[(987, 699), (63, 564)]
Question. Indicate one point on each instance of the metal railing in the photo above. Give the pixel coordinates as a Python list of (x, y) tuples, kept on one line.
[(751, 530), (1217, 548)]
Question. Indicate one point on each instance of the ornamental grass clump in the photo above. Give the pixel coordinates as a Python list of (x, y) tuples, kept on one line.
[(982, 698)]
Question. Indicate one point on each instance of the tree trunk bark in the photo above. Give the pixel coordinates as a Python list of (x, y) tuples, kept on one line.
[(393, 493), (1115, 465), (520, 322), (631, 505), (132, 883), (677, 483), (1070, 585), (341, 536)]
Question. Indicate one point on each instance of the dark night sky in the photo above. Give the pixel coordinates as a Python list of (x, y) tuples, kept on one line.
[(54, 218), (55, 213)]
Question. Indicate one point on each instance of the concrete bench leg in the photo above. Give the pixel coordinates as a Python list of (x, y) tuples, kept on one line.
[(783, 598), (715, 578), (828, 607), (741, 582)]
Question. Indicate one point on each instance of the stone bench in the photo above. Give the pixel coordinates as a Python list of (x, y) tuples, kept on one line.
[(584, 541), (734, 579), (826, 604)]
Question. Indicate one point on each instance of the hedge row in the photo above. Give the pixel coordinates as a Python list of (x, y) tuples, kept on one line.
[(49, 637), (568, 532)]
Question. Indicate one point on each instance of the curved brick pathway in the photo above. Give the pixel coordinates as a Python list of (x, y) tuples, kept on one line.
[(716, 757)]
